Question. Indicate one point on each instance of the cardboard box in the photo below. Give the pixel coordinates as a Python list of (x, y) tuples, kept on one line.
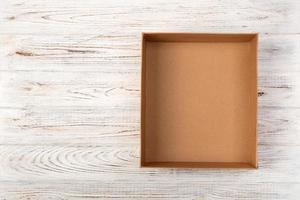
[(199, 100)]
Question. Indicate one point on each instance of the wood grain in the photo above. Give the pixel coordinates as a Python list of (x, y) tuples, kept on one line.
[(70, 99)]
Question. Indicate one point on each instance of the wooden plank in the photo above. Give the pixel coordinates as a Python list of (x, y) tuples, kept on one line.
[(109, 162), (107, 17), (172, 189)]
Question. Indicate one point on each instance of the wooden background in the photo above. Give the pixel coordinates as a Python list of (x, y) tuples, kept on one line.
[(70, 99)]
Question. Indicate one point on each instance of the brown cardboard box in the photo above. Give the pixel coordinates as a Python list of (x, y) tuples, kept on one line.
[(199, 100)]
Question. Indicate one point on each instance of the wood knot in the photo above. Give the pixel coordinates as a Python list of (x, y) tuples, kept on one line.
[(24, 53), (11, 18), (260, 93)]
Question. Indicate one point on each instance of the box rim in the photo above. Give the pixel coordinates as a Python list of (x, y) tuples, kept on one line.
[(143, 163)]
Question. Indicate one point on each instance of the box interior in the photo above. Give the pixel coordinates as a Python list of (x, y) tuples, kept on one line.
[(199, 99)]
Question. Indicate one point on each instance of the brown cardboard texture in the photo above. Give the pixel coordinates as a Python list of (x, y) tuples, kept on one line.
[(199, 100)]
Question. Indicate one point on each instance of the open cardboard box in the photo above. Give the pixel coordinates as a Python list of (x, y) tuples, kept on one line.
[(199, 100)]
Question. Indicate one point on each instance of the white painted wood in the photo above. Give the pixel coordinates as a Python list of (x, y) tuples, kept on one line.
[(70, 99)]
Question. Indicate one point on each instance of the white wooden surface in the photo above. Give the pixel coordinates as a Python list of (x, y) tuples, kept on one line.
[(70, 97)]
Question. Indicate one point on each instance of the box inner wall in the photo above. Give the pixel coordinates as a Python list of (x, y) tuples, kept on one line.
[(198, 102)]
